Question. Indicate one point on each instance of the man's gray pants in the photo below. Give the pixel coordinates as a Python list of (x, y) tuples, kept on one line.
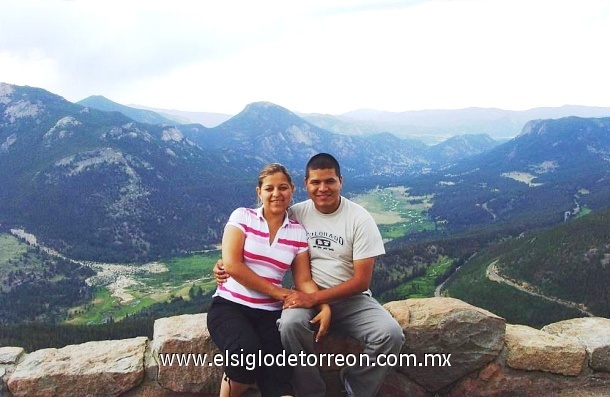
[(360, 317)]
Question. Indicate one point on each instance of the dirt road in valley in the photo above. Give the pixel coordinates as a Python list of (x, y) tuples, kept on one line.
[(493, 275)]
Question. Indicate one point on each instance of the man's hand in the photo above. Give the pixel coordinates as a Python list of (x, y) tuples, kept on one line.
[(323, 319), (219, 273), (299, 299)]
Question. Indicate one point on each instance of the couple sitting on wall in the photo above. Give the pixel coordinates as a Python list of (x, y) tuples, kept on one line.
[(330, 245)]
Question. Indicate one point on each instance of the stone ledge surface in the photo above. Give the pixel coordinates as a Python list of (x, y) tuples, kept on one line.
[(446, 326), (10, 355), (592, 332), (480, 344), (104, 368), (185, 334), (534, 350)]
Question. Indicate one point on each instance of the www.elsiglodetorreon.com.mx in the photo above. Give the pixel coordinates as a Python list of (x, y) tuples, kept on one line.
[(254, 360)]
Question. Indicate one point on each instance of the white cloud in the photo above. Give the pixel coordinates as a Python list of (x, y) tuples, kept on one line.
[(312, 56)]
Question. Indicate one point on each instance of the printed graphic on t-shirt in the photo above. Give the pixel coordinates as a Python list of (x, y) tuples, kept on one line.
[(324, 241)]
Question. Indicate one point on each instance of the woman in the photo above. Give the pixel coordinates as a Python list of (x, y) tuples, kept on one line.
[(258, 247)]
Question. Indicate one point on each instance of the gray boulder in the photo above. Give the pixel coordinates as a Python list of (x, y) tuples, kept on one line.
[(448, 338)]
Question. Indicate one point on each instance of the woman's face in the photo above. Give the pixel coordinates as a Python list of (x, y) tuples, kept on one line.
[(275, 193)]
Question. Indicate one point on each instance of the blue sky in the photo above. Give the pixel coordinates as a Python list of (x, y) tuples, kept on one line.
[(312, 56)]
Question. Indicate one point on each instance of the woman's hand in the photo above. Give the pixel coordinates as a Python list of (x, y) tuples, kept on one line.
[(280, 294), (219, 273), (323, 320)]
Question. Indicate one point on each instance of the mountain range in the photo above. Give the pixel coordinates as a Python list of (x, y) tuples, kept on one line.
[(96, 184), (281, 134), (433, 126), (141, 115), (552, 170), (101, 185), (428, 126)]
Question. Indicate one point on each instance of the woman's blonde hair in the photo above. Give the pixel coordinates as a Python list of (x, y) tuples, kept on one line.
[(270, 169)]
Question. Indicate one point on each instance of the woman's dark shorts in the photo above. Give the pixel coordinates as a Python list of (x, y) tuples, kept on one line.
[(242, 330)]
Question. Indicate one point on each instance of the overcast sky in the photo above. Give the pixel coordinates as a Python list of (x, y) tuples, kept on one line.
[(312, 56)]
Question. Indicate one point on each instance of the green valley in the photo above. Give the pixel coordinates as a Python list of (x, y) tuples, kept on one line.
[(421, 286), (159, 282), (136, 287), (396, 212)]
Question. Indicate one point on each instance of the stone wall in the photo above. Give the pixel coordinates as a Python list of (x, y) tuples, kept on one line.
[(474, 351)]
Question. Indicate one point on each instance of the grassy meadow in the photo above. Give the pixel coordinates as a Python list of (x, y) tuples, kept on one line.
[(396, 212), (140, 290)]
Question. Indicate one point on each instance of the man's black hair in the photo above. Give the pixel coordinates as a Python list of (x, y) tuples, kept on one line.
[(322, 161)]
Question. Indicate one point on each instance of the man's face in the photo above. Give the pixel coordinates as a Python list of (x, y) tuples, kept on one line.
[(324, 188)]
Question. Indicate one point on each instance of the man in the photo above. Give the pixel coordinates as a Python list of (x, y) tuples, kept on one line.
[(343, 243)]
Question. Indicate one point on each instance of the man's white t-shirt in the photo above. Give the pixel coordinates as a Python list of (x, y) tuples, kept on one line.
[(336, 240)]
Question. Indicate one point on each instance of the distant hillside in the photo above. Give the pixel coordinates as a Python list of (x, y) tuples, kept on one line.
[(265, 132), (97, 185), (554, 168), (196, 127), (570, 262), (341, 126), (143, 116), (35, 286), (443, 124), (428, 126), (460, 147)]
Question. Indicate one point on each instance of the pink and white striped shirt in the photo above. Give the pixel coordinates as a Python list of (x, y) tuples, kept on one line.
[(270, 261)]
